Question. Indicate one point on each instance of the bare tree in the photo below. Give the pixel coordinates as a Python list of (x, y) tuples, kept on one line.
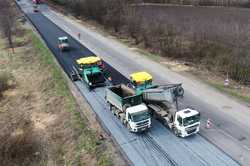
[(7, 20), (133, 23), (217, 38), (115, 14)]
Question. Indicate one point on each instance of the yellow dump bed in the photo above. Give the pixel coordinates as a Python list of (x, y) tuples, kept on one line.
[(88, 60), (140, 77)]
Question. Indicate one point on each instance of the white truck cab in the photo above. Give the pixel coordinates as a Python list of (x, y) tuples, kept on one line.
[(186, 122), (138, 118), (128, 107), (63, 43)]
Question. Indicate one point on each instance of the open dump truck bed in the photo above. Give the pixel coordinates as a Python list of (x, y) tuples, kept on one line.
[(122, 96)]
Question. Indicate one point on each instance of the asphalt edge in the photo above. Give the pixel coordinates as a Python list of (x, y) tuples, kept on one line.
[(72, 86)]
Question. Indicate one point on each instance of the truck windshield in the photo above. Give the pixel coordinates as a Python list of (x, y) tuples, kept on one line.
[(191, 120), (65, 41), (140, 116)]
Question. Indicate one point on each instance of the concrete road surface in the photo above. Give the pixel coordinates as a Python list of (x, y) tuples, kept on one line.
[(158, 146)]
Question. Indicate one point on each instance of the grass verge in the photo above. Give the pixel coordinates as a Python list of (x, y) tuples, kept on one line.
[(232, 92), (40, 119), (87, 140)]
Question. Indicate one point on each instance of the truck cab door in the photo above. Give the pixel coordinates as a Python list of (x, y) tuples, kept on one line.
[(129, 117)]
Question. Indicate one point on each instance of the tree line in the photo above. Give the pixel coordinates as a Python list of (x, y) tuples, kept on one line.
[(217, 39), (227, 3)]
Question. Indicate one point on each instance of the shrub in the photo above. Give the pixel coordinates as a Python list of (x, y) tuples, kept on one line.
[(217, 38), (5, 81)]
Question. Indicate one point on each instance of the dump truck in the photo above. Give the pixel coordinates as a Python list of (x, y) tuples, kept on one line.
[(63, 43), (91, 71), (128, 107), (162, 101)]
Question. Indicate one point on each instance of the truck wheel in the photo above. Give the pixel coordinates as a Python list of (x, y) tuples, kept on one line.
[(91, 88), (128, 127), (73, 76), (122, 118), (111, 108), (113, 111), (176, 132)]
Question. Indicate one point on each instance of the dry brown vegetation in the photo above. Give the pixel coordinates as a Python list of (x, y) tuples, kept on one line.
[(216, 38), (40, 122)]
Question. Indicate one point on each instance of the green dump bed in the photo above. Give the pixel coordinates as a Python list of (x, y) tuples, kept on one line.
[(122, 97)]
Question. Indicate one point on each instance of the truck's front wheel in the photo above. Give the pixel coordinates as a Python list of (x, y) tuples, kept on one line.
[(112, 109), (176, 132), (110, 106), (73, 77), (128, 127), (91, 88)]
